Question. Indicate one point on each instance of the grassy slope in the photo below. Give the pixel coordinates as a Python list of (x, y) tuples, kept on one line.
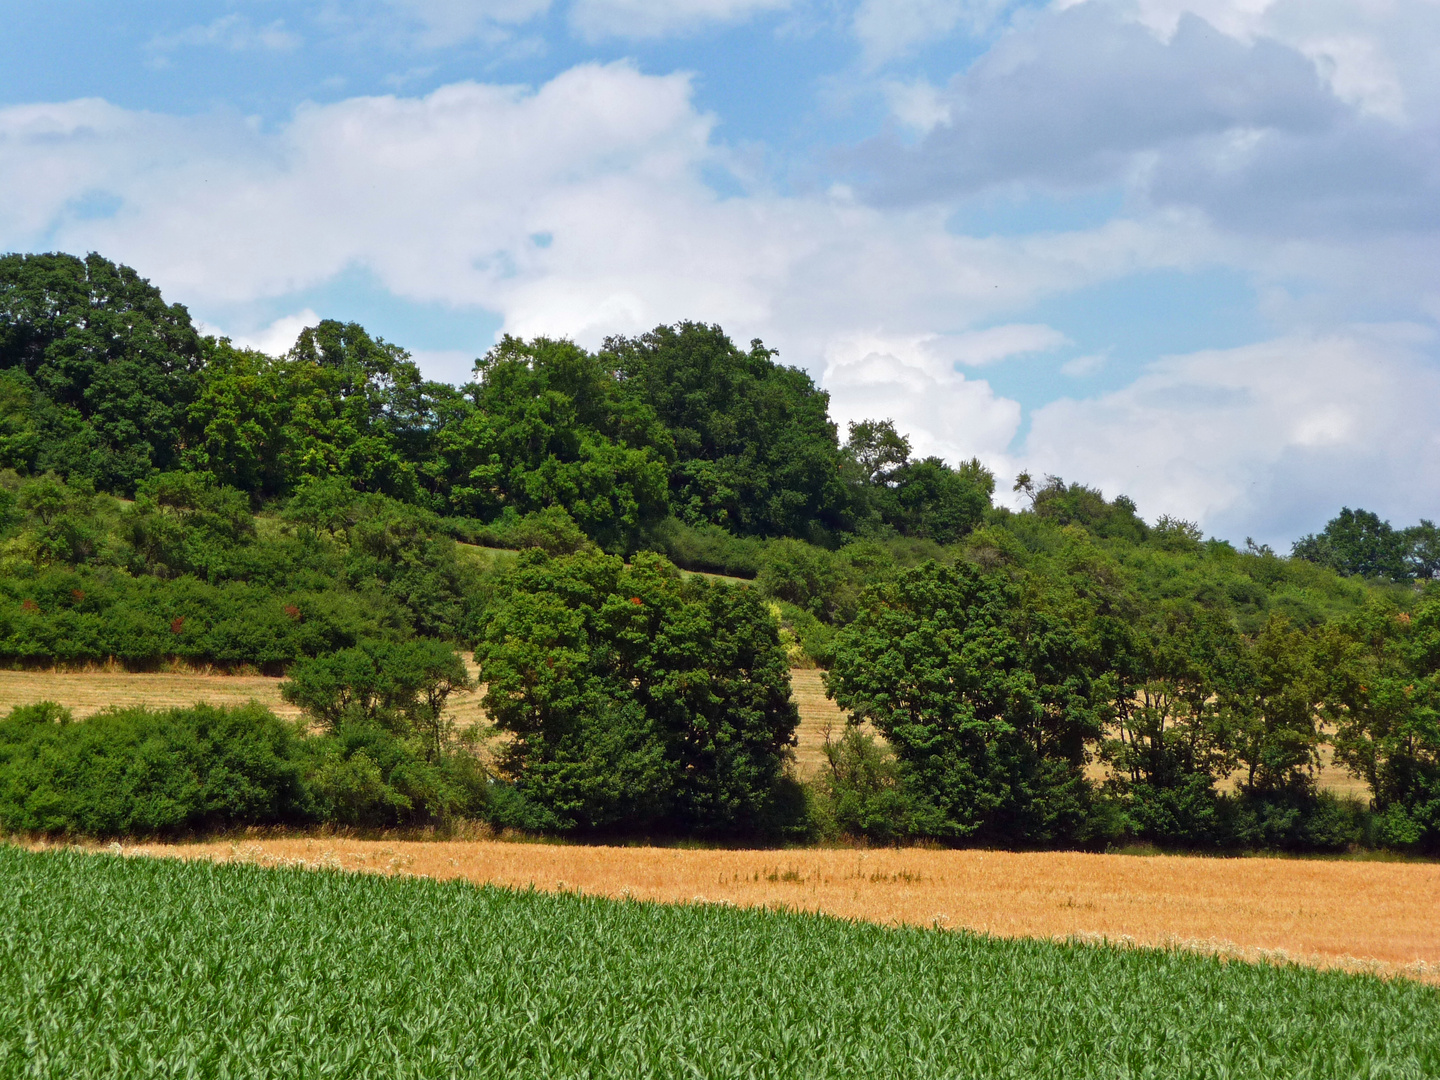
[(114, 967)]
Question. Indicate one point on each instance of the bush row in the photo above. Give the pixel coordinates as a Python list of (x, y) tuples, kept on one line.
[(137, 772)]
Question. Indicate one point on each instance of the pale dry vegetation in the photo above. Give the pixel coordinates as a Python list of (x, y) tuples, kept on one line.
[(86, 693), (1365, 915)]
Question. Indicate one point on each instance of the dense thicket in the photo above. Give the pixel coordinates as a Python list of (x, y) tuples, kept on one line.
[(376, 749), (1065, 674), (186, 572)]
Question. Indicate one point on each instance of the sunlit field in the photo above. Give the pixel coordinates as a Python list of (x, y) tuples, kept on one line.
[(1360, 915), (159, 968)]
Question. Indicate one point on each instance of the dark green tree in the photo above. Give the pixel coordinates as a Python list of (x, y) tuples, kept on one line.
[(1274, 701), (637, 699), (1358, 543), (1383, 696), (1168, 739), (551, 428), (1422, 543), (985, 695), (755, 449), (99, 372), (1075, 504)]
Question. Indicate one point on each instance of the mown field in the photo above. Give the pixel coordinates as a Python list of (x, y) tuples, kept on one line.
[(1373, 916), (160, 968)]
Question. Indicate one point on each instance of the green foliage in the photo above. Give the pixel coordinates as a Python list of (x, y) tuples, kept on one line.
[(705, 547), (188, 573), (1357, 542), (136, 772), (984, 693), (1076, 504), (552, 530), (365, 773), (392, 754), (755, 450), (319, 972), (924, 498), (184, 523), (863, 790), (401, 686), (1383, 695), (551, 427), (1276, 709), (99, 372), (636, 698)]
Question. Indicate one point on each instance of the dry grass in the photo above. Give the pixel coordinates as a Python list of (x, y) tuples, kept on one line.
[(1376, 916), (818, 714), (88, 692)]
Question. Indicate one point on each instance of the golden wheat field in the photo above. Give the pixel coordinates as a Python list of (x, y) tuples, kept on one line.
[(1378, 916)]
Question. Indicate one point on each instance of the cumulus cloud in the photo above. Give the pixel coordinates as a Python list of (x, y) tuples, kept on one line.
[(1269, 438), (443, 198), (655, 18), (1273, 119), (1073, 99), (912, 381), (275, 339)]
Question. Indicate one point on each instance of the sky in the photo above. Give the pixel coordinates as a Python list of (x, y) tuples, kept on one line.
[(1182, 250)]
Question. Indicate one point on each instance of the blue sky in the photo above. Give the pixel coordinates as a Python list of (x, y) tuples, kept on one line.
[(1180, 249)]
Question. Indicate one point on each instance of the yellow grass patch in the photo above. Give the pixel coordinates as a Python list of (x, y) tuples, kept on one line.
[(87, 692), (1358, 915)]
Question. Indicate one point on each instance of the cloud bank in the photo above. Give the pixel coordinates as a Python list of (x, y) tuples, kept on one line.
[(1292, 144)]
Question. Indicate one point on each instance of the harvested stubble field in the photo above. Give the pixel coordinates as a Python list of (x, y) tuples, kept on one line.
[(157, 968), (1376, 916), (88, 692)]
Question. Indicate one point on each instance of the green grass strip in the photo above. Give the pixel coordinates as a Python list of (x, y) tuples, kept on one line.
[(121, 967)]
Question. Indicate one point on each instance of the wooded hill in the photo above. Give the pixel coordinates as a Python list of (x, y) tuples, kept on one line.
[(167, 495)]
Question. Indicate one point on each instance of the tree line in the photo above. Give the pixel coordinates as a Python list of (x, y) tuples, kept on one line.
[(1068, 674)]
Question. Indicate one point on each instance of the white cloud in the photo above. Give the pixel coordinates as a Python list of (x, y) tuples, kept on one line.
[(919, 106), (979, 347), (1081, 366), (234, 32), (656, 18), (1281, 119), (275, 339), (877, 377), (1270, 438)]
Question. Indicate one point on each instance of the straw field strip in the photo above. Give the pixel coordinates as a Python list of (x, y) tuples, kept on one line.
[(1328, 913)]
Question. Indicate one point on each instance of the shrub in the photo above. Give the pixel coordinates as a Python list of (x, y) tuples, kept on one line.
[(637, 699), (863, 791), (132, 771)]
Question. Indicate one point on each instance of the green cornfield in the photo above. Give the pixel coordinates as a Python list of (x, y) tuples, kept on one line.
[(134, 967)]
